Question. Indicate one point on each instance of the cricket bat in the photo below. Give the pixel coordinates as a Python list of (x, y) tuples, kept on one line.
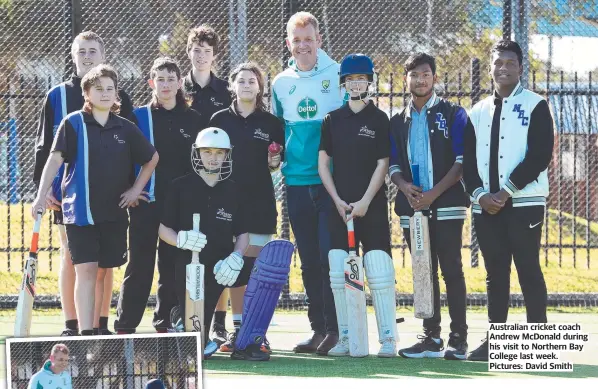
[(194, 294), (421, 261), (355, 296), (27, 292)]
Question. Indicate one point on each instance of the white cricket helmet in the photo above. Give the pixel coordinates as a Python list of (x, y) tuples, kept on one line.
[(212, 138)]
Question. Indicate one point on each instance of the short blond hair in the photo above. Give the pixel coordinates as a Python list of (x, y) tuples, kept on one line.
[(59, 348), (89, 36), (302, 19)]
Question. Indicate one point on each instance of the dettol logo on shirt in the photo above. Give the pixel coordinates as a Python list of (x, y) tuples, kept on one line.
[(307, 108)]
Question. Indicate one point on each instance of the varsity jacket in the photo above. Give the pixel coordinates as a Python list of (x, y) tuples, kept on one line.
[(301, 100), (446, 125), (524, 148)]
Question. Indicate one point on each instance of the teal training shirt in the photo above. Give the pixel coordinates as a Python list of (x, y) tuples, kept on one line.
[(301, 100)]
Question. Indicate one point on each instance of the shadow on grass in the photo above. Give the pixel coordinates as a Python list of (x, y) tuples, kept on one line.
[(287, 363)]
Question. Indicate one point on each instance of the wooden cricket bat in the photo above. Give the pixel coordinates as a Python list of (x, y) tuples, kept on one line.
[(421, 261), (27, 292), (355, 296), (194, 294)]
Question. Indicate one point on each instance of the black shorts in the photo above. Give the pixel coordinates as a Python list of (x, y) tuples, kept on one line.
[(104, 243), (58, 217), (372, 230)]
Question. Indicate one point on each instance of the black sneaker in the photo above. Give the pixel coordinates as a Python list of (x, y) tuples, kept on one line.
[(456, 348), (253, 352), (480, 354), (229, 345), (219, 334), (427, 347), (69, 332)]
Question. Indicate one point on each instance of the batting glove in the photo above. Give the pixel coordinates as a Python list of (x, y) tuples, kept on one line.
[(191, 240), (227, 270)]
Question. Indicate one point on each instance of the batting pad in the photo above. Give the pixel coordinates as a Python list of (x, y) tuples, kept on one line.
[(336, 259), (380, 274), (268, 276)]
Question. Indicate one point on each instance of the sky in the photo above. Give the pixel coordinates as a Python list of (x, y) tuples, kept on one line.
[(570, 53)]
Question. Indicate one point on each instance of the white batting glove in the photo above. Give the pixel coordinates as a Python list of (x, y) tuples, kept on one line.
[(191, 240), (227, 270)]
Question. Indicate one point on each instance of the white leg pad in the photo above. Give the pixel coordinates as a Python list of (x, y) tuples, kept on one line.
[(380, 274), (336, 260)]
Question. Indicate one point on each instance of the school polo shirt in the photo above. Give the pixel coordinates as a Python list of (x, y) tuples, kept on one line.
[(250, 138), (355, 141), (207, 100), (221, 214), (112, 150), (174, 132), (60, 101)]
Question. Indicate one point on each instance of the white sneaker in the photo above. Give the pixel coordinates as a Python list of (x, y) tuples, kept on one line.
[(388, 348), (341, 349)]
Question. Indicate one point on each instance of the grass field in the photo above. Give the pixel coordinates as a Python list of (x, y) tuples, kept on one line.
[(288, 328), (561, 276)]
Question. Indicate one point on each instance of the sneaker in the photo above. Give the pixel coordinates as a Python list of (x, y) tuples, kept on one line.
[(253, 352), (69, 332), (265, 347), (480, 354), (219, 334), (105, 331), (388, 348), (229, 345), (427, 347), (456, 348), (210, 349), (341, 349)]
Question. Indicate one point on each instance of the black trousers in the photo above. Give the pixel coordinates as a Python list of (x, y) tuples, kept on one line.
[(513, 234), (371, 230), (212, 289), (136, 286), (445, 247)]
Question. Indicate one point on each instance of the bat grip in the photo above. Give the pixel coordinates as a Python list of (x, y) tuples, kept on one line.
[(195, 254), (38, 222), (351, 233), (415, 174)]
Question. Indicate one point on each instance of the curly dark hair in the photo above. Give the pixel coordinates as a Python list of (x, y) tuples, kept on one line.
[(203, 33)]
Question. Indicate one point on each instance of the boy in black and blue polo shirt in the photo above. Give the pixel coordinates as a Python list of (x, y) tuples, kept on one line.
[(100, 149)]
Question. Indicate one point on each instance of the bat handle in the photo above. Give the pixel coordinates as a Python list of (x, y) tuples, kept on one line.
[(195, 254), (415, 174), (38, 222), (351, 233)]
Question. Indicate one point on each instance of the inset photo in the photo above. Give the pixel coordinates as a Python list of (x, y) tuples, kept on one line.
[(151, 361)]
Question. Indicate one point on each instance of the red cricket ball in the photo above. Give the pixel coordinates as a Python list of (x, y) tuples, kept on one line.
[(274, 148)]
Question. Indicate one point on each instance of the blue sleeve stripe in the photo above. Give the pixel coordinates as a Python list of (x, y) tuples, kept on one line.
[(458, 131)]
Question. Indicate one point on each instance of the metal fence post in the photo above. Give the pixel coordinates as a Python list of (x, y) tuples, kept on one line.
[(475, 97), (506, 19)]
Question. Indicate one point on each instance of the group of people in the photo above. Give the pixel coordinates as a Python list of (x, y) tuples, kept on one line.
[(174, 157)]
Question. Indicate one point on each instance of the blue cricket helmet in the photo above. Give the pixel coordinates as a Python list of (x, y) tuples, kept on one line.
[(357, 64)]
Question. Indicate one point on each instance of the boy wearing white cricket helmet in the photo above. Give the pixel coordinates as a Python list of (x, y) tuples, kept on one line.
[(209, 192)]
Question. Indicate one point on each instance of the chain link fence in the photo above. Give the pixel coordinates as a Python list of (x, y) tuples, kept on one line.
[(558, 38), (126, 362)]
